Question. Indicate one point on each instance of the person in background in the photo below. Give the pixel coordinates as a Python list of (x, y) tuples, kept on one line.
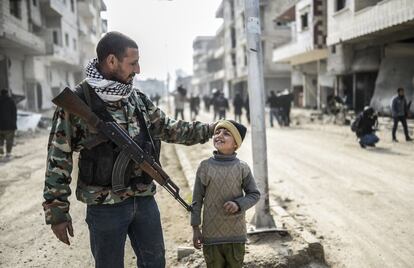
[(238, 106), (274, 105), (247, 108), (400, 109), (8, 122), (222, 105), (194, 106), (179, 101), (364, 126)]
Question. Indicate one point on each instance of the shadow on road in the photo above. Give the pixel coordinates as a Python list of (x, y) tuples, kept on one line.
[(382, 150)]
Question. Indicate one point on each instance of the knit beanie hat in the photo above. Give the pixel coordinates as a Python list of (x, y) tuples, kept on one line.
[(237, 130)]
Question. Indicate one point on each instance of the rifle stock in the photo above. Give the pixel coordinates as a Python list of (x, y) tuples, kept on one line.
[(69, 101), (131, 151)]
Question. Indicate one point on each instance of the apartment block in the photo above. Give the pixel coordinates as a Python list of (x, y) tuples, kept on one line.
[(43, 45), (306, 51), (371, 50), (220, 61)]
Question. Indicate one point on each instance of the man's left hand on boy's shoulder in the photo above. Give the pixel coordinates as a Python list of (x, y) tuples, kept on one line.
[(231, 207)]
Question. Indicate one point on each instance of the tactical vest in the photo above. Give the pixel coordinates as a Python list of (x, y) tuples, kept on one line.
[(96, 164)]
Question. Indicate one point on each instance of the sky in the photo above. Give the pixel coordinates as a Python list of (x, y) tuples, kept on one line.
[(164, 30)]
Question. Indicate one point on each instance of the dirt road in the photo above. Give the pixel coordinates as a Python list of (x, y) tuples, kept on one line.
[(360, 201), (25, 240)]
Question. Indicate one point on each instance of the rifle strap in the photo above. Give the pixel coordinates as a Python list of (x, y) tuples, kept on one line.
[(143, 126)]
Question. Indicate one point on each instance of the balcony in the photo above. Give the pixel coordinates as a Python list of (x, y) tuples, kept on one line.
[(52, 8), (86, 9), (301, 50), (62, 55), (14, 36), (344, 26), (219, 75)]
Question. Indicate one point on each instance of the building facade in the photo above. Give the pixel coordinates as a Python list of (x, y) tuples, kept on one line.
[(42, 46), (371, 50), (306, 50), (360, 50), (224, 67)]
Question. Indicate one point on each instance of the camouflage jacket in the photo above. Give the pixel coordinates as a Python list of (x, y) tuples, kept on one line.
[(68, 134)]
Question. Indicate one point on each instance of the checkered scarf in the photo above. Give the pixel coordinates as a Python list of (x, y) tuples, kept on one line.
[(107, 90)]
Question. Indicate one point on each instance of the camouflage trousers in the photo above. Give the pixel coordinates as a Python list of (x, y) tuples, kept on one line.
[(224, 255), (8, 137)]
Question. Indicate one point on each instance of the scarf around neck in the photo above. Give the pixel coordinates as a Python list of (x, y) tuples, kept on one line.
[(107, 90)]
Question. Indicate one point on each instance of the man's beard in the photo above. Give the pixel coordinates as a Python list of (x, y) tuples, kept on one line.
[(115, 77)]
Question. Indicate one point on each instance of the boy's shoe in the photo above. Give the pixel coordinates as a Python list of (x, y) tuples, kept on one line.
[(394, 140), (362, 145), (8, 156), (408, 139)]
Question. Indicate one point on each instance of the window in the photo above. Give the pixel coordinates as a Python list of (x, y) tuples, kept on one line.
[(333, 49), (72, 5), (304, 21), (34, 3), (263, 49), (245, 55), (281, 24), (66, 39), (74, 44), (340, 4), (233, 37), (55, 38), (262, 17), (233, 59), (16, 8)]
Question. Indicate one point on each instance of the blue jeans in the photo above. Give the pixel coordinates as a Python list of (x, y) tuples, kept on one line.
[(369, 139), (137, 217)]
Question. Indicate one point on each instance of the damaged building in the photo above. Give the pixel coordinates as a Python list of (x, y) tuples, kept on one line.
[(359, 50), (371, 50), (44, 45), (220, 61)]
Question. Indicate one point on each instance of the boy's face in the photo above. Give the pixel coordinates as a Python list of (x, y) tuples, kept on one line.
[(224, 142)]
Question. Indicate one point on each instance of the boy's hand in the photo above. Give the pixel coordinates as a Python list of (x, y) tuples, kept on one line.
[(197, 237), (231, 207)]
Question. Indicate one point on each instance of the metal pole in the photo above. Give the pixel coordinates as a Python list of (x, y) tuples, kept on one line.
[(262, 219)]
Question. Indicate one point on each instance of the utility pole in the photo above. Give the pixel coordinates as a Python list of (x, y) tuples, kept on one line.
[(263, 220)]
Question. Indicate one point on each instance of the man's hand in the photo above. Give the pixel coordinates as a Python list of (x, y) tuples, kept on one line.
[(197, 237), (61, 231), (231, 207)]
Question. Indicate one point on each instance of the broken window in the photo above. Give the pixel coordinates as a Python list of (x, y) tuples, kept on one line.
[(16, 8), (304, 21), (340, 4), (55, 38), (72, 5)]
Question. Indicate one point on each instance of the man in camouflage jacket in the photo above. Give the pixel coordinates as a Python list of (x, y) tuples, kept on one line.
[(111, 217)]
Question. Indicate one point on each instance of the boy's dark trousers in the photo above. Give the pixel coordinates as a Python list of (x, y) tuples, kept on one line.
[(229, 255), (403, 121)]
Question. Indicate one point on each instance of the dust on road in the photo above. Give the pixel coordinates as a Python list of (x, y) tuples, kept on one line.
[(26, 241)]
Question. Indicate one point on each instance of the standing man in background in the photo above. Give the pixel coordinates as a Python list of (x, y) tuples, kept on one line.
[(399, 110), (8, 122)]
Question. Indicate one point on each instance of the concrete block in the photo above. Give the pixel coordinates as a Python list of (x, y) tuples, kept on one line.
[(183, 252)]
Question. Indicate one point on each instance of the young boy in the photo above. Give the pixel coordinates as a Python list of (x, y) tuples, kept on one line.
[(219, 186)]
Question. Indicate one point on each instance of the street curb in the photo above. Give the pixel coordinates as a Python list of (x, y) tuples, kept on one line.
[(315, 249)]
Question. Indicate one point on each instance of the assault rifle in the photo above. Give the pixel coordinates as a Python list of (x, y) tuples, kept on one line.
[(130, 150)]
